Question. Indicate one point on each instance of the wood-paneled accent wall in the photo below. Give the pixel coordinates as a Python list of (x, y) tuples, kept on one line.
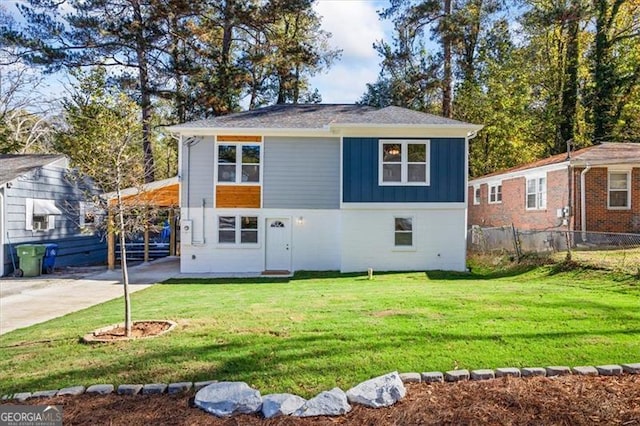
[(238, 138), (238, 196)]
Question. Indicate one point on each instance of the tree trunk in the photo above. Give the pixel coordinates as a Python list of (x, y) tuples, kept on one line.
[(123, 253), (601, 89), (569, 98), (447, 81), (145, 94)]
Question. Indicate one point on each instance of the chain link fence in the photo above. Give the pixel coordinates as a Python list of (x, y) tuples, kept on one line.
[(615, 251)]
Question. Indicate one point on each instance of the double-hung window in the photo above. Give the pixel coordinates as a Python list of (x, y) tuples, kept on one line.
[(404, 162), (536, 193), (476, 195), (619, 190), (495, 193), (403, 236), (237, 229), (239, 163)]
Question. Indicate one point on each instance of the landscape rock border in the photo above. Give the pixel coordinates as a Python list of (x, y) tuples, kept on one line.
[(336, 395), (94, 336)]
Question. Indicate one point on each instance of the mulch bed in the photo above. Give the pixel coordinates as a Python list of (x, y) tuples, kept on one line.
[(139, 329), (567, 400)]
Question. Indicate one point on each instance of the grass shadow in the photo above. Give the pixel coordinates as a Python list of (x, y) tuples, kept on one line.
[(297, 276)]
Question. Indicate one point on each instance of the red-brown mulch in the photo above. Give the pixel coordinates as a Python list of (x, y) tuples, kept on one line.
[(567, 400)]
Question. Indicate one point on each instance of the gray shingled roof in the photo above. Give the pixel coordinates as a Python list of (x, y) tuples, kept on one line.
[(610, 153), (318, 116), (15, 165)]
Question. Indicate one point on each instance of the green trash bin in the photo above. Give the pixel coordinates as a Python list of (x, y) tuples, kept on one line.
[(30, 256)]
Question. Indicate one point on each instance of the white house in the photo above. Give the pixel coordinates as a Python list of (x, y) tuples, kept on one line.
[(323, 187)]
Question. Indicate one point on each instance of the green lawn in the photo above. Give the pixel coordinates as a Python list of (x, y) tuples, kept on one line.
[(318, 331)]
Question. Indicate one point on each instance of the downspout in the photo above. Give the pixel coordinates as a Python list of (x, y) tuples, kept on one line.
[(583, 202)]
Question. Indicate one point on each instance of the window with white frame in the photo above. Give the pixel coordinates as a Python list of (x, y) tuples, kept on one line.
[(536, 193), (495, 192), (404, 162), (476, 194), (89, 215), (40, 214), (238, 163), (403, 236), (237, 229), (619, 190)]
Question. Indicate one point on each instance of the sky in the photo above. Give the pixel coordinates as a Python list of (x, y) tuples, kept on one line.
[(354, 26)]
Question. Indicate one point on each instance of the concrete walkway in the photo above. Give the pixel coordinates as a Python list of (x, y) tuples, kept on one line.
[(28, 301)]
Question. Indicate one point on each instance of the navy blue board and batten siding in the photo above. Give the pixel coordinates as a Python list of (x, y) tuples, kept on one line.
[(360, 173)]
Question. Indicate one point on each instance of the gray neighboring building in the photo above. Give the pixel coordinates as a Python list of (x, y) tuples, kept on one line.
[(40, 204)]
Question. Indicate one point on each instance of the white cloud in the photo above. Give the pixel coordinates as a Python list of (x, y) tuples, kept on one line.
[(355, 26)]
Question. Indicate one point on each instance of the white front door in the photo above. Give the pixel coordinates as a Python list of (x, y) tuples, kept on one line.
[(278, 245)]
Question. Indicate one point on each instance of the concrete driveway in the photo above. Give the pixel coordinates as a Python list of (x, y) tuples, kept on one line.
[(28, 301)]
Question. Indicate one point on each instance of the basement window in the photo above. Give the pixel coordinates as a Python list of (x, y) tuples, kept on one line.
[(403, 232)]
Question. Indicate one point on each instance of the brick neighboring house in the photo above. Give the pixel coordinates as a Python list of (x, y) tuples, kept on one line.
[(595, 189)]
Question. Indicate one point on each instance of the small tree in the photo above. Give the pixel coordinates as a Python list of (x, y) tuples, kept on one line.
[(102, 137)]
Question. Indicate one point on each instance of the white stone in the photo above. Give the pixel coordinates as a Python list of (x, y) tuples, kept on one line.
[(328, 403), (456, 375), (225, 399), (507, 371), (101, 389), (73, 390), (179, 387), (410, 377), (22, 396), (633, 368), (482, 374), (44, 394), (584, 370), (281, 404), (609, 370), (533, 371), (432, 377), (378, 392), (558, 370)]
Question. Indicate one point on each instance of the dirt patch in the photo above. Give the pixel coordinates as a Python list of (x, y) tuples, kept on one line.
[(139, 330), (567, 400)]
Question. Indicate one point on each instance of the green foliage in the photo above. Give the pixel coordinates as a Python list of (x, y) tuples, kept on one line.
[(552, 73), (192, 59), (102, 133)]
